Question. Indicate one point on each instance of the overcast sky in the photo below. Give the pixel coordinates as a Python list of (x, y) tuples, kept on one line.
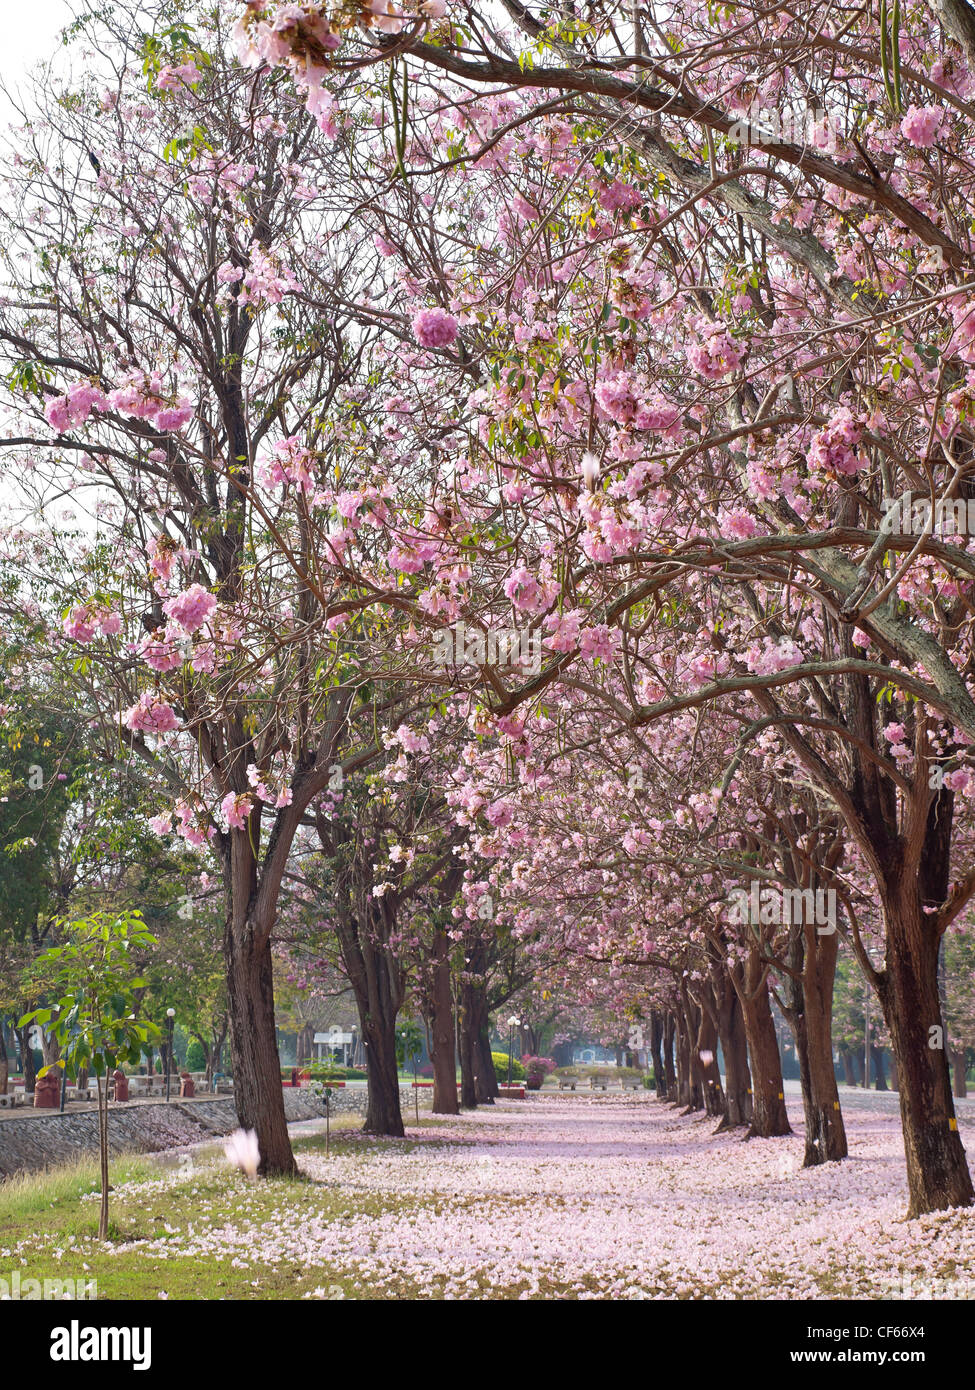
[(30, 33)]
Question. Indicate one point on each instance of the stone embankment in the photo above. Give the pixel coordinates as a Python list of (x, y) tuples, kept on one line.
[(35, 1139)]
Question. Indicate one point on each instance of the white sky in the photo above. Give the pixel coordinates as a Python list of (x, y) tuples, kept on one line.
[(30, 35)]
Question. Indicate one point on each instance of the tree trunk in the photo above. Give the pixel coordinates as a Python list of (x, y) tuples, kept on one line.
[(811, 1021), (734, 1045), (4, 1064), (937, 1171), (383, 1113), (377, 984), (656, 1053), (103, 1155), (50, 1048), (443, 1055), (894, 1082), (846, 1057), (769, 1117), (959, 1067), (465, 1052), (689, 1076), (27, 1058), (258, 1095), (707, 1058), (877, 1055), (485, 1078), (214, 1052), (670, 1069), (826, 1139)]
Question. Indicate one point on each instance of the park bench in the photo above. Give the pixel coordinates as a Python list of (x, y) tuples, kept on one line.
[(597, 1081), (8, 1101), (567, 1083)]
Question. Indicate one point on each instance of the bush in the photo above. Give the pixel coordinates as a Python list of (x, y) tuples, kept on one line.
[(327, 1071), (195, 1059), (500, 1060), (583, 1072), (537, 1068)]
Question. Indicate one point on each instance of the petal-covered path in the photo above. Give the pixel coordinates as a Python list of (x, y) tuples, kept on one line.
[(599, 1197)]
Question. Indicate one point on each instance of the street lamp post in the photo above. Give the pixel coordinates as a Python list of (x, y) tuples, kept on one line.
[(170, 1016), (512, 1023)]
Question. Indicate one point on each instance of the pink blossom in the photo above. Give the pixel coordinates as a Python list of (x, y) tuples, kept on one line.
[(600, 642), (434, 328), (243, 1151), (192, 608), (236, 808), (85, 620), (75, 407), (716, 354), (922, 124), (151, 714), (174, 417), (616, 399)]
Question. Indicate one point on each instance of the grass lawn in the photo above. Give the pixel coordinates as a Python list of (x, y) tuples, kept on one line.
[(613, 1197), (48, 1221)]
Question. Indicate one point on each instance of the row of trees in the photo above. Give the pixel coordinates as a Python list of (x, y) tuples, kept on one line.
[(482, 434)]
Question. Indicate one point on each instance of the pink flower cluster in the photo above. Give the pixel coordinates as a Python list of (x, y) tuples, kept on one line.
[(773, 655), (290, 462), (600, 642), (922, 125), (75, 407), (833, 449), (267, 280), (171, 79), (139, 395), (151, 714), (236, 808), (563, 629), (528, 592), (263, 791), (87, 619), (963, 317), (716, 354), (619, 197), (192, 608), (434, 328)]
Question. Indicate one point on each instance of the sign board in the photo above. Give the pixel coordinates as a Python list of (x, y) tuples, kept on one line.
[(334, 1039)]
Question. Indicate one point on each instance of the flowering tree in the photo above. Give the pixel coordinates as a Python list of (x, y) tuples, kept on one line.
[(629, 337), (817, 378), (94, 984), (161, 369)]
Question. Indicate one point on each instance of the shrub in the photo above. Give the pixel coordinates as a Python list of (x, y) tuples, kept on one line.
[(195, 1059), (328, 1071), (500, 1060), (537, 1068)]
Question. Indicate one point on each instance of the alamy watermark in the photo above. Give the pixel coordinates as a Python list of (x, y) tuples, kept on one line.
[(505, 647), (928, 1287), (908, 515), (784, 907), (806, 126), (14, 1287)]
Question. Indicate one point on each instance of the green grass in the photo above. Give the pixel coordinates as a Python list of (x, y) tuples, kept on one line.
[(26, 1194), (50, 1219)]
